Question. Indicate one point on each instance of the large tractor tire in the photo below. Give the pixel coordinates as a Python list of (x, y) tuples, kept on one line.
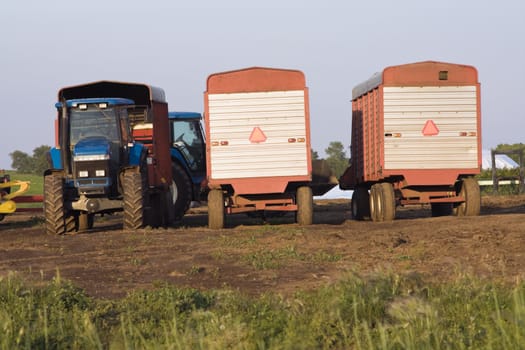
[(389, 201), (216, 209), (360, 204), (469, 189), (182, 191), (57, 220), (133, 200), (305, 206)]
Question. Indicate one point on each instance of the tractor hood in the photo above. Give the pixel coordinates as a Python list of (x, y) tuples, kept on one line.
[(92, 146)]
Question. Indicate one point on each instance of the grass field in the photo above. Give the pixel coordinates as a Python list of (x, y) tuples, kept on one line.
[(383, 312)]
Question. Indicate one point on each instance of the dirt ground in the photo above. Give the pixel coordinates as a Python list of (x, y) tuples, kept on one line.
[(254, 256)]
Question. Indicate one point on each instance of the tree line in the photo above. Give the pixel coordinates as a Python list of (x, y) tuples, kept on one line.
[(336, 158), (38, 162)]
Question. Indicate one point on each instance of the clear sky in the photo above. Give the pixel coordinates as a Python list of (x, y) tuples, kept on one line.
[(175, 45)]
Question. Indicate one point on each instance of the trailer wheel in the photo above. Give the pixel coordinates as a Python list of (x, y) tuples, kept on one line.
[(441, 209), (133, 200), (360, 204), (376, 203), (182, 191), (305, 206), (216, 209), (57, 220), (470, 191), (85, 221), (389, 201)]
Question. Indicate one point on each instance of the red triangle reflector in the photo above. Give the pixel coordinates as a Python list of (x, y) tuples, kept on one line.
[(430, 129), (257, 135)]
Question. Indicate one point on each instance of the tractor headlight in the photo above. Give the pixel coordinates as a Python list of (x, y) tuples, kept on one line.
[(83, 173), (100, 173), (90, 157)]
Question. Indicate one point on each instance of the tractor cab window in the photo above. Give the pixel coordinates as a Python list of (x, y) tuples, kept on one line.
[(187, 137), (93, 122)]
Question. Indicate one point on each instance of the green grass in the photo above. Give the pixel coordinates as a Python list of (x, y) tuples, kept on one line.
[(381, 312)]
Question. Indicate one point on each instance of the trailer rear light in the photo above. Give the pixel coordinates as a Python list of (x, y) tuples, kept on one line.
[(82, 106), (103, 105), (291, 140), (215, 143), (395, 134), (100, 173), (470, 133), (83, 173), (301, 139), (224, 143)]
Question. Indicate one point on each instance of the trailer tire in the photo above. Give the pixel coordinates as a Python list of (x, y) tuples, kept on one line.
[(389, 201), (57, 220), (376, 203), (360, 204), (216, 209), (133, 200), (469, 189), (305, 206), (182, 191)]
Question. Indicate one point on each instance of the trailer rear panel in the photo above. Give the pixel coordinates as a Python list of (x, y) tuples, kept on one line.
[(420, 122), (257, 127)]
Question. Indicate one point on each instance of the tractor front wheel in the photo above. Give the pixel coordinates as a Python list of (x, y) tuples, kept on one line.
[(57, 220), (133, 203)]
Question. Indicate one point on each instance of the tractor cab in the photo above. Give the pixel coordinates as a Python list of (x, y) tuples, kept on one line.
[(99, 135)]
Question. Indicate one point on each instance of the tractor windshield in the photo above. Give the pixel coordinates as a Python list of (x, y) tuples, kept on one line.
[(93, 122)]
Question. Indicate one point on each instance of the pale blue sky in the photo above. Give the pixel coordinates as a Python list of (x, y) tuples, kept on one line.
[(175, 45)]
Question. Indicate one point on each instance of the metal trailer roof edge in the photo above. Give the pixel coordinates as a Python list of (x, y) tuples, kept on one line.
[(368, 85)]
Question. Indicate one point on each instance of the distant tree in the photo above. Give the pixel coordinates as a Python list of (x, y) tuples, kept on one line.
[(21, 162), (40, 162), (511, 147), (35, 164), (336, 158), (315, 155)]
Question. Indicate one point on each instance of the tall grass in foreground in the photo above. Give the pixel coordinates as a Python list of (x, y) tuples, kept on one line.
[(384, 312)]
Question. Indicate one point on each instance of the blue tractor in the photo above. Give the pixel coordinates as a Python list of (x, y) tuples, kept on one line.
[(97, 167), (188, 150)]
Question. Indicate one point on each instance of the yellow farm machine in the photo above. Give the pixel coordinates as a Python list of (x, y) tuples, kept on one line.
[(8, 191)]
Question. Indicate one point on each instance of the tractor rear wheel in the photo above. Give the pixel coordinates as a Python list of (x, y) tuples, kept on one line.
[(305, 206), (216, 209), (182, 191), (360, 204), (57, 220), (133, 200), (469, 189)]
